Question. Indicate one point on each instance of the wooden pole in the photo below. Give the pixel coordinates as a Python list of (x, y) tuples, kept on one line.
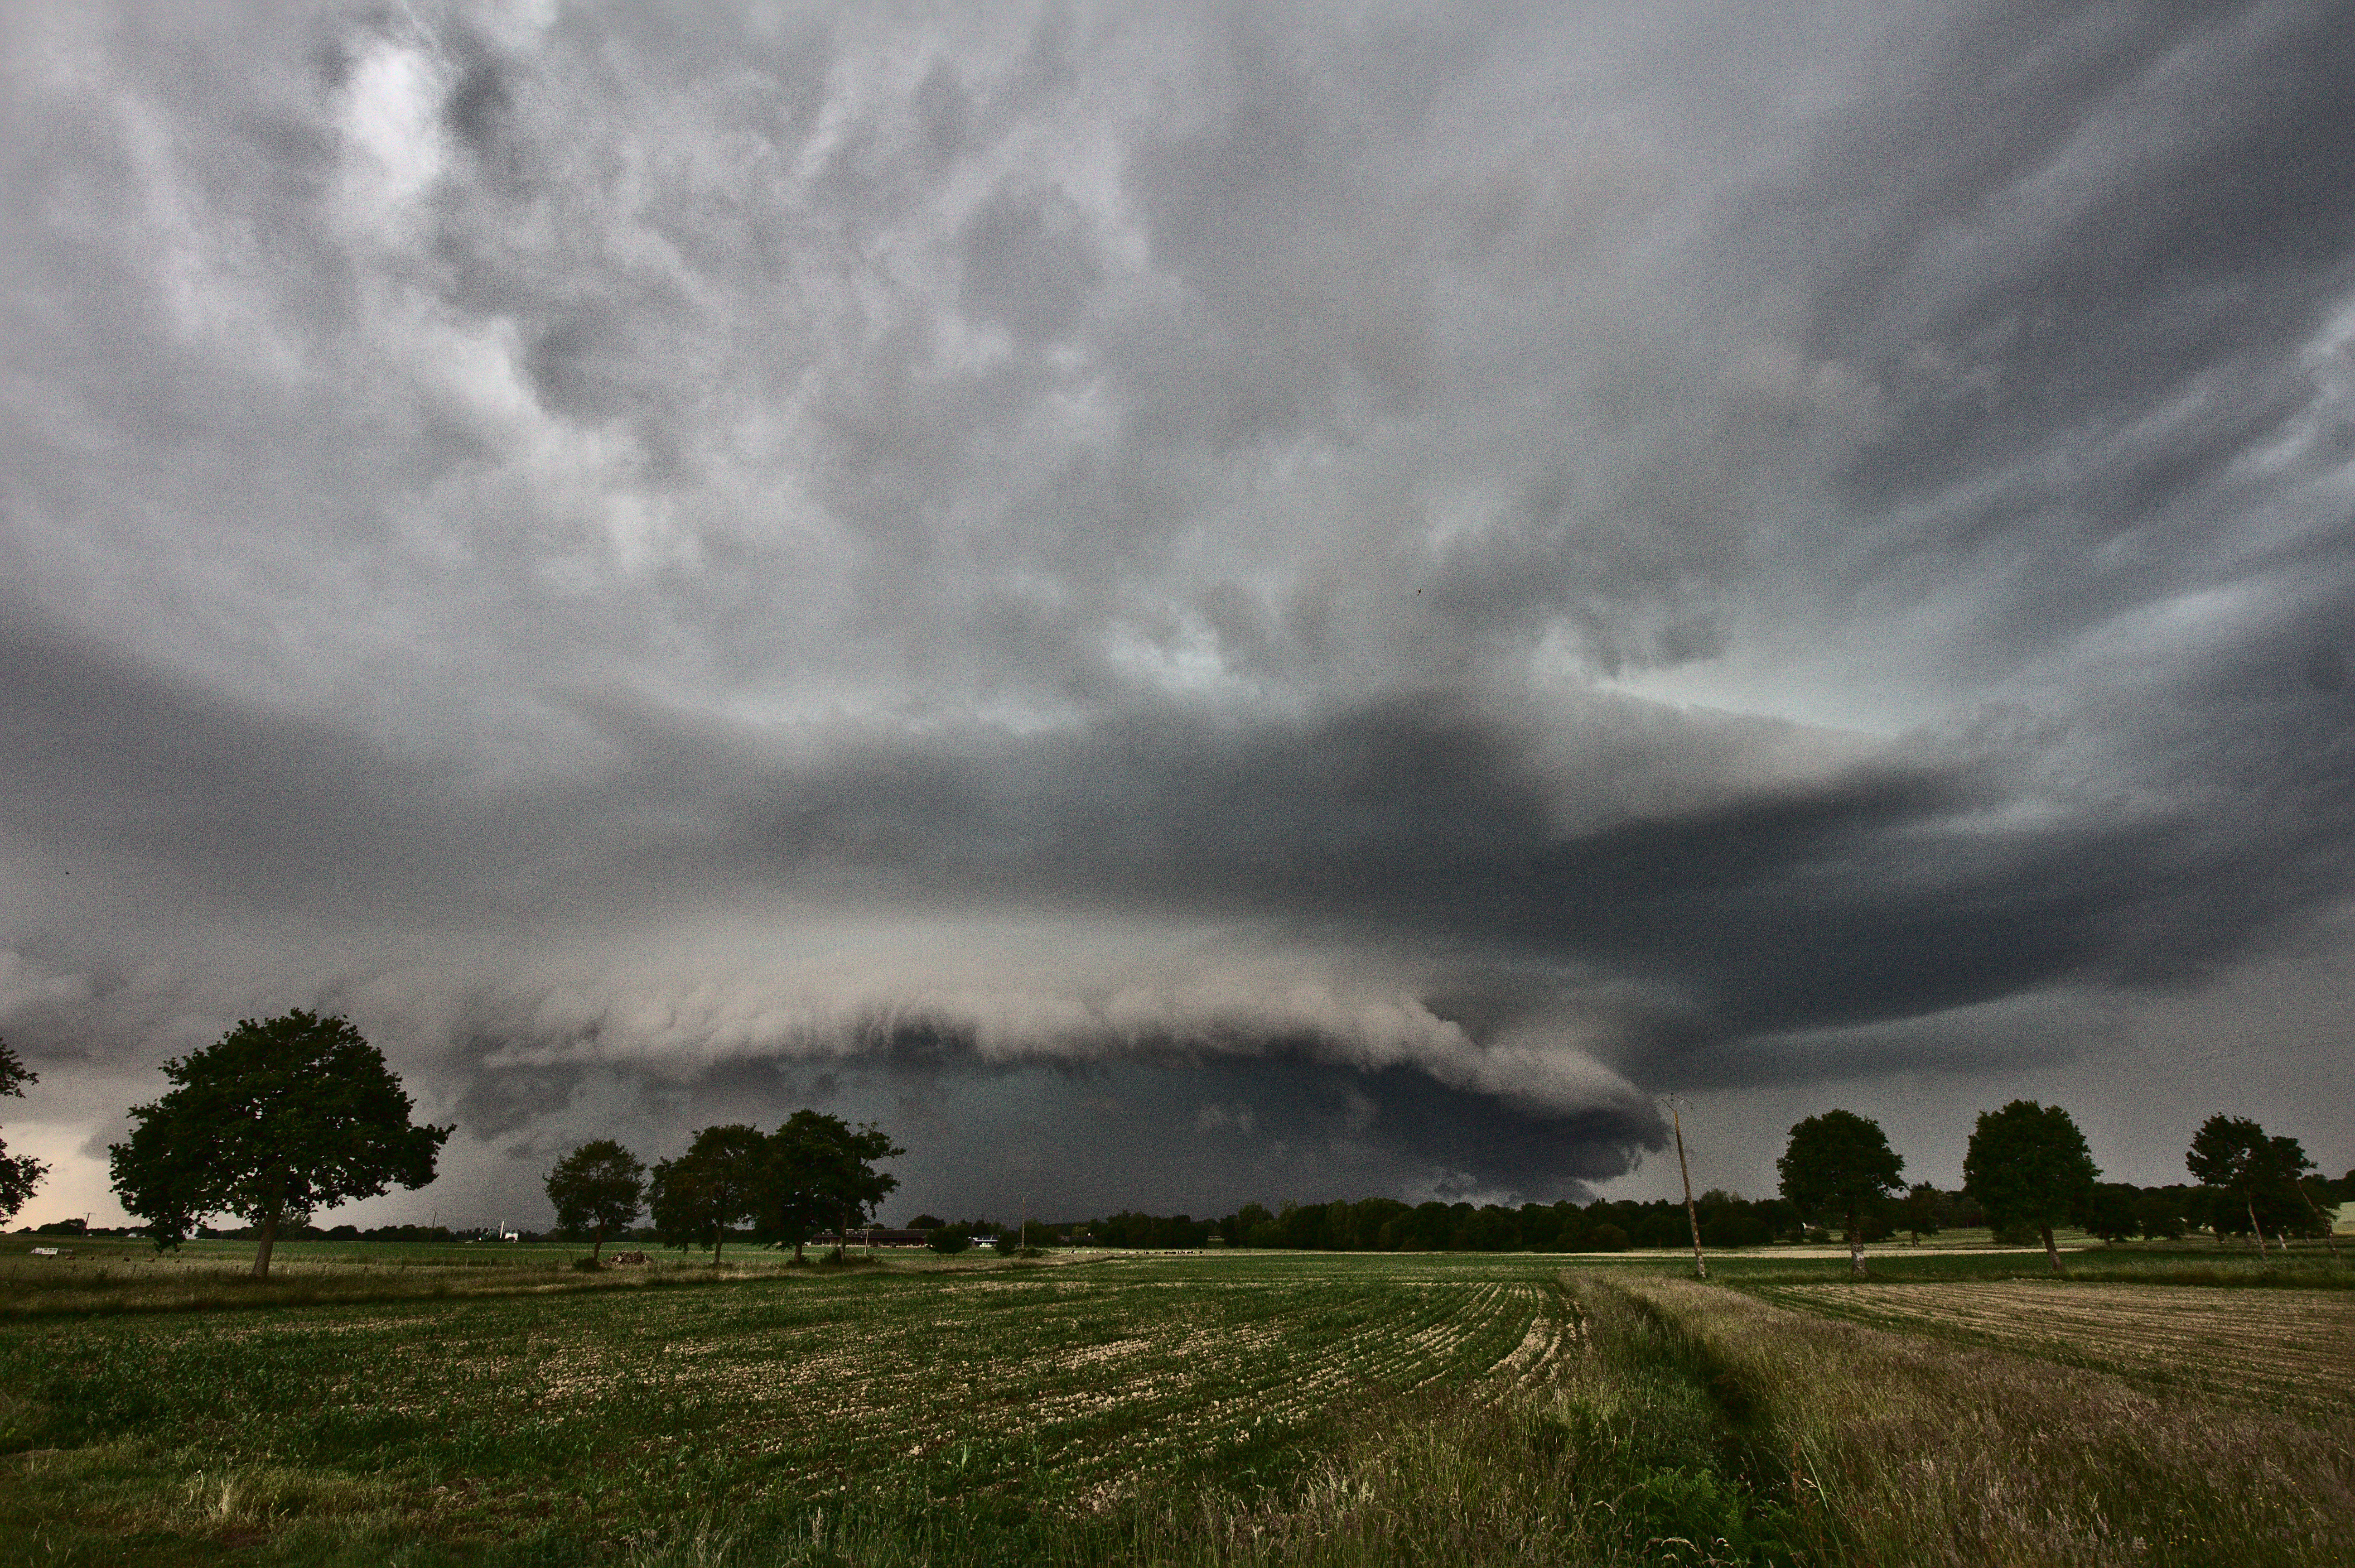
[(1692, 1215)]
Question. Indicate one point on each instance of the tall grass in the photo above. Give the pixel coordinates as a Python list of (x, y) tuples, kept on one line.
[(1904, 1450)]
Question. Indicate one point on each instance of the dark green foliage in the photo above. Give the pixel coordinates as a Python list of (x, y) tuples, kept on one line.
[(822, 1171), (279, 1118), (949, 1240), (1663, 1231), (1840, 1163), (19, 1173), (1238, 1226), (2253, 1179), (1918, 1215), (814, 1170), (2113, 1212), (719, 1183), (1130, 1229), (2224, 1152), (2028, 1166), (1733, 1229), (599, 1186), (2161, 1212)]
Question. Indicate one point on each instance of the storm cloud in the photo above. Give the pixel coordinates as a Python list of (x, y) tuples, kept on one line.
[(1182, 605)]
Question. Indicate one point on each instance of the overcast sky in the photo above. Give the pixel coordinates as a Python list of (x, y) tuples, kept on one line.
[(1184, 604)]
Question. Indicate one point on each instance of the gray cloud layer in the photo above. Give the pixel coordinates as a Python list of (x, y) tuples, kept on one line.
[(1375, 586)]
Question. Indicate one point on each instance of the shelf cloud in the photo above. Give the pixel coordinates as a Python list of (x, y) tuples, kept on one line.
[(1181, 606)]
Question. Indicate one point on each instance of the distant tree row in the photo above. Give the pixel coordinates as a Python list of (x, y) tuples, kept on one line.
[(2029, 1168), (2026, 1171), (285, 1116), (781, 1187)]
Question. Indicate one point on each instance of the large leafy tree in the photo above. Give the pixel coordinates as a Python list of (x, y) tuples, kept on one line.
[(19, 1173), (720, 1181), (599, 1186), (2289, 1165), (2250, 1174), (2027, 1165), (278, 1118), (1840, 1163), (824, 1170)]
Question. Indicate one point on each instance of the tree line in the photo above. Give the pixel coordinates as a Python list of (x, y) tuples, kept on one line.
[(780, 1187), (2027, 1171), (285, 1116)]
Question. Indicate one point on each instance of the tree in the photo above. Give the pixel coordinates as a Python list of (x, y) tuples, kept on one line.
[(720, 1182), (279, 1118), (19, 1173), (1917, 1216), (2253, 1175), (824, 1169), (2113, 1213), (2285, 1174), (796, 1202), (2159, 1210), (1238, 1226), (2027, 1165), (600, 1184), (1840, 1163)]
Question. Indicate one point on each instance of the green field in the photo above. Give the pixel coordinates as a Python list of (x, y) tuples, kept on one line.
[(387, 1403)]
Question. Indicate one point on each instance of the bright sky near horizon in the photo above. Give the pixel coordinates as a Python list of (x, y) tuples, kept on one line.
[(1184, 604)]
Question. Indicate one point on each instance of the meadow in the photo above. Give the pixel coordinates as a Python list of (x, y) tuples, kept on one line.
[(422, 1406)]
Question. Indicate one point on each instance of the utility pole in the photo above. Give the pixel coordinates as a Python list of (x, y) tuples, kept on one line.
[(1700, 1264)]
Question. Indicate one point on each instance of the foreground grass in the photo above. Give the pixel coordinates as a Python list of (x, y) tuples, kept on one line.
[(1257, 1410), (2276, 1351), (1905, 1449)]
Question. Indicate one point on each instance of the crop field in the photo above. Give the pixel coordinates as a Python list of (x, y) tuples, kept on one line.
[(1059, 1387), (1216, 1409), (2273, 1348)]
